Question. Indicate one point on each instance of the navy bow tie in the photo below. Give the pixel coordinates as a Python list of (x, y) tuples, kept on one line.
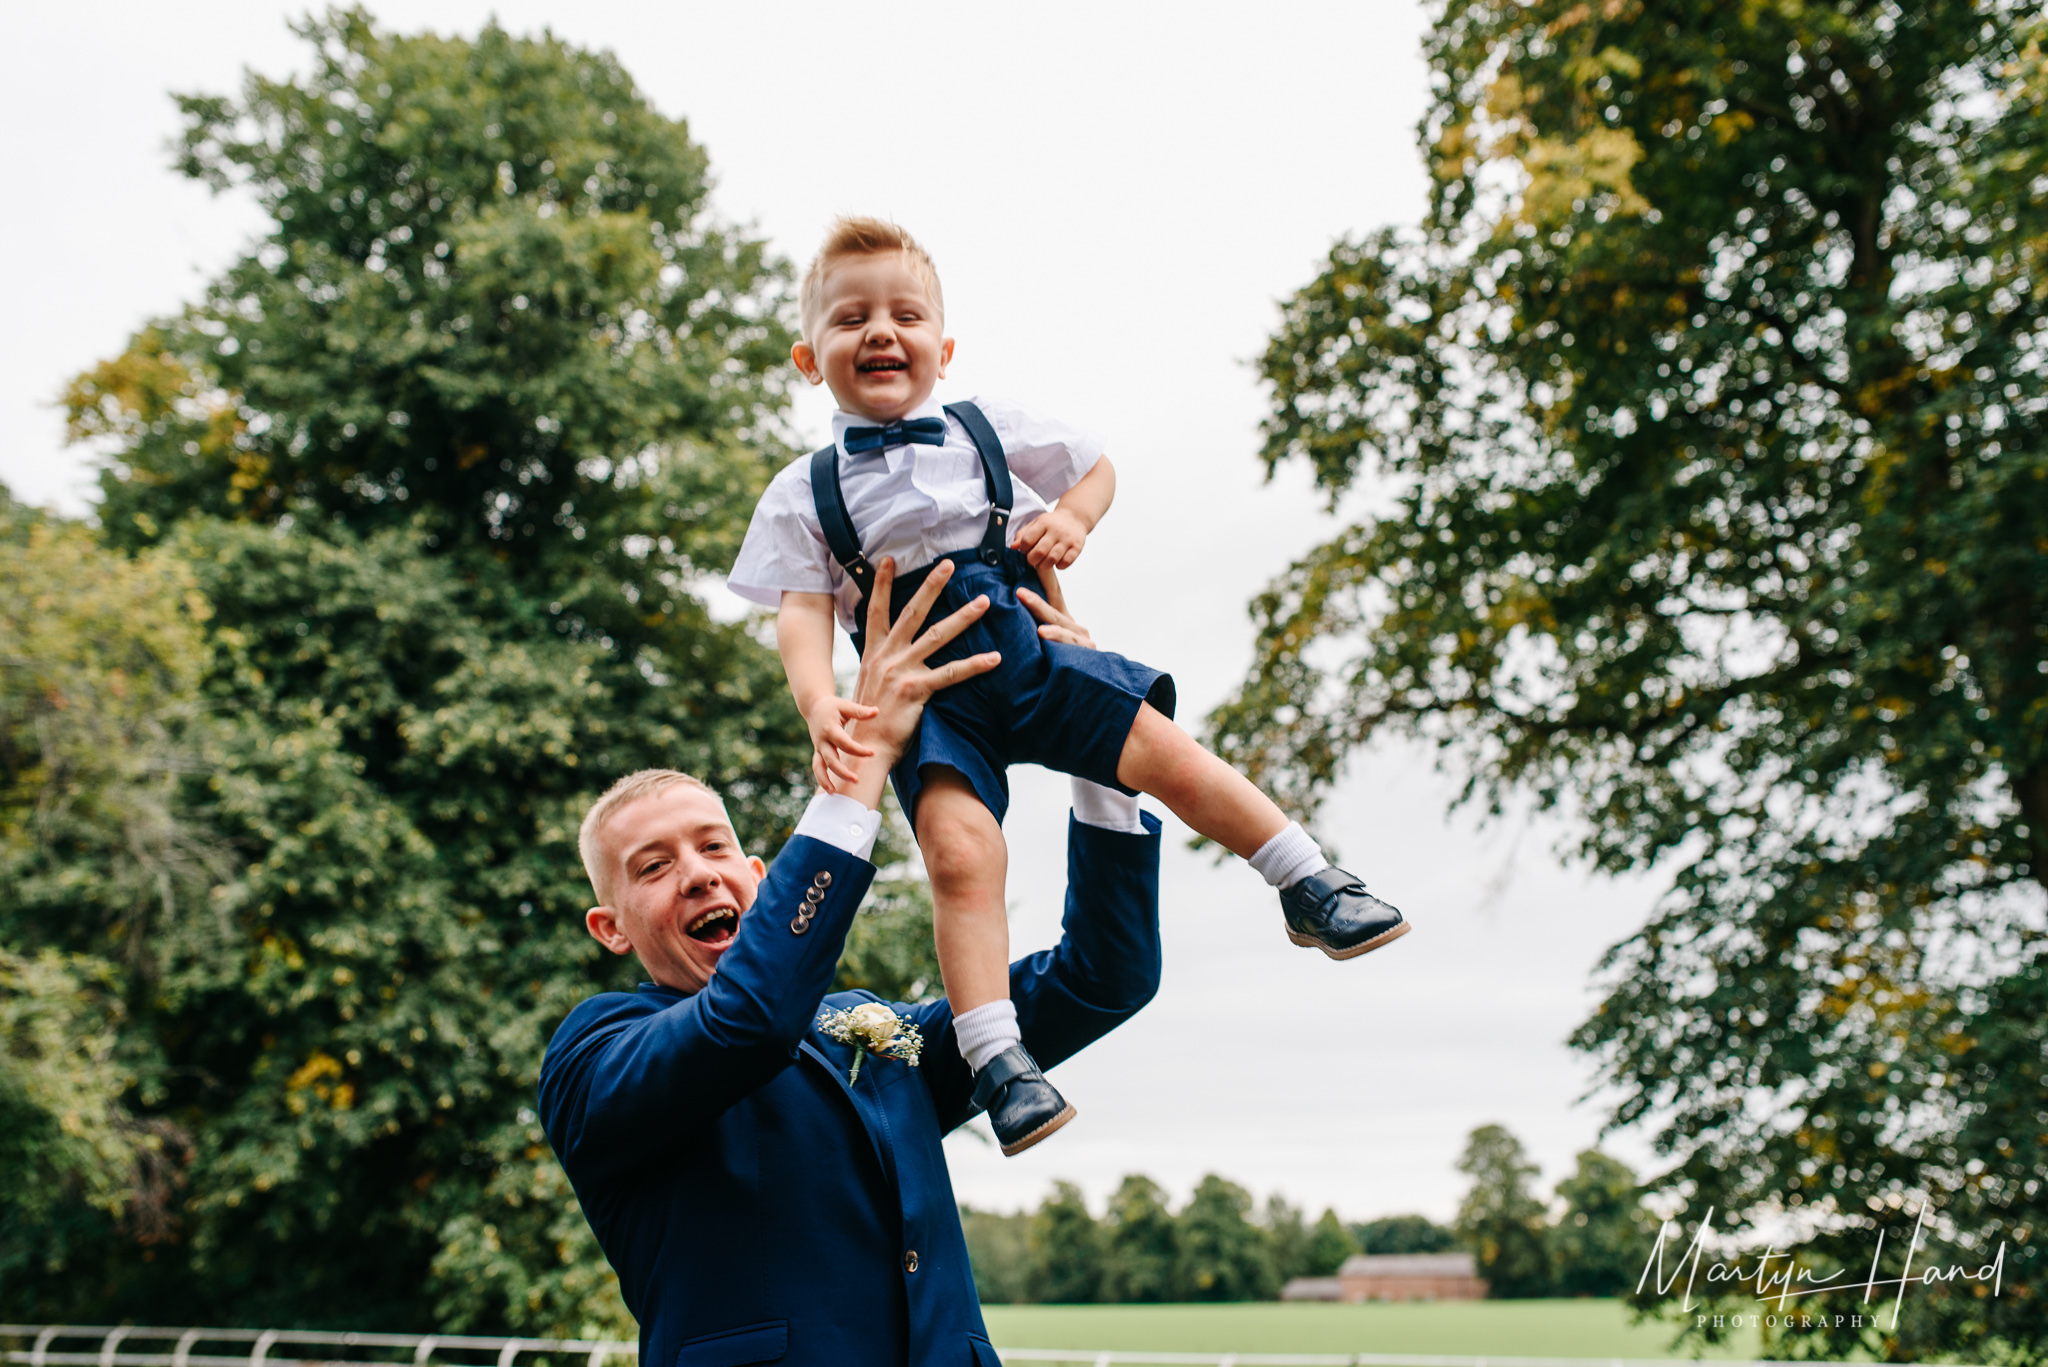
[(922, 431)]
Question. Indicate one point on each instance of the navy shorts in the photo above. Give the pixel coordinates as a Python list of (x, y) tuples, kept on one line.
[(1048, 703)]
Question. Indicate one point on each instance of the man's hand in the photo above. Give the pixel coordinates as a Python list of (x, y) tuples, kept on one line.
[(832, 743), (894, 680), (1055, 537), (1055, 622)]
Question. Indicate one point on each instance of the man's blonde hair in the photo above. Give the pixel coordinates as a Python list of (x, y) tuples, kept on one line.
[(851, 236), (630, 789)]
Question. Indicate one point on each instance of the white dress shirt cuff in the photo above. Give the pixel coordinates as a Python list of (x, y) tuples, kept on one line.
[(1095, 805), (842, 822)]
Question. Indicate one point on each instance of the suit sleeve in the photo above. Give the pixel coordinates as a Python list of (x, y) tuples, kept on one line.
[(1105, 967), (617, 1085)]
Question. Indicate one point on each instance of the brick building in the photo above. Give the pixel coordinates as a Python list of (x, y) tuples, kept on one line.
[(1394, 1277)]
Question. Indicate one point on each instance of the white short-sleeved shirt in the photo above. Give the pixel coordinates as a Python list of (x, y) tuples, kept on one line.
[(912, 502)]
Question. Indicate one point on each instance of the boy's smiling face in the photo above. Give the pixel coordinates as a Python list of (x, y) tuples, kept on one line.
[(877, 343)]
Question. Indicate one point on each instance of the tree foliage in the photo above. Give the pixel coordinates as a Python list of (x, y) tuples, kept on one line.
[(1142, 1259), (1223, 1255), (1604, 1235), (1501, 1219), (1705, 410), (1404, 1234), (1329, 1244), (437, 465), (1065, 1246)]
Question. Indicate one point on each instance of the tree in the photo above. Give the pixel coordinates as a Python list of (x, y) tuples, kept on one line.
[(1708, 410), (998, 1248), (1287, 1237), (443, 455), (1329, 1244), (1403, 1234), (99, 668), (1500, 1218), (1603, 1238), (1142, 1255), (1223, 1255), (1066, 1249)]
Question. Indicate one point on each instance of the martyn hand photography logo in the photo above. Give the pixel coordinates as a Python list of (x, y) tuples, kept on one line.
[(1780, 1278)]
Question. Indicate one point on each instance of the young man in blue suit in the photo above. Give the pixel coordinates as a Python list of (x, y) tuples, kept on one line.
[(759, 1202)]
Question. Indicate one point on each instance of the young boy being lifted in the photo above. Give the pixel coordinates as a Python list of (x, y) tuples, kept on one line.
[(1006, 497)]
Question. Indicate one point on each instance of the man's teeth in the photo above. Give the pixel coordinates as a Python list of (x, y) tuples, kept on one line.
[(711, 920)]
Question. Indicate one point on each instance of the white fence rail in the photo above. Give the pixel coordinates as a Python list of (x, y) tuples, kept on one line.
[(108, 1345), (1117, 1357), (123, 1345)]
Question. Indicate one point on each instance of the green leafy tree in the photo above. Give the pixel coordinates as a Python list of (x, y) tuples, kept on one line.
[(1706, 410), (1066, 1249), (1602, 1240), (444, 455), (1329, 1244), (100, 659), (1287, 1236), (998, 1248), (1404, 1234), (1500, 1219), (1142, 1254), (1223, 1255)]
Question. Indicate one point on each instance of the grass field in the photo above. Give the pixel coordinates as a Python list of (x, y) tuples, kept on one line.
[(1559, 1328)]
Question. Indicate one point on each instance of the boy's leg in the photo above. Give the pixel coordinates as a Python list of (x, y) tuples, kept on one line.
[(1326, 908), (968, 861)]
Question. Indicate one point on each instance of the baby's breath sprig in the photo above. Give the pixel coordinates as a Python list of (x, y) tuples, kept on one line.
[(872, 1028)]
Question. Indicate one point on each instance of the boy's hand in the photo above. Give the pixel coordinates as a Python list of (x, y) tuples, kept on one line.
[(831, 741), (1054, 538)]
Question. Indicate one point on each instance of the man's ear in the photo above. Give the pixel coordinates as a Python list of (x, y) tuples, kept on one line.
[(760, 869), (604, 927), (945, 356), (806, 361)]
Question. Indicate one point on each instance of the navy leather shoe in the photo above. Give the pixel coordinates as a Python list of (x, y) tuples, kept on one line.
[(1333, 912), (1022, 1106)]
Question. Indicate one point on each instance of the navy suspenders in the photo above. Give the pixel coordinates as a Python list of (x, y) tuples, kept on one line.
[(844, 543)]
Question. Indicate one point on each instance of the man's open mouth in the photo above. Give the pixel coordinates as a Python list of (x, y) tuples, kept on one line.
[(714, 927), (880, 364)]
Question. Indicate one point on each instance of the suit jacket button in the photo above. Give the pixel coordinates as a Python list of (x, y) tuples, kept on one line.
[(910, 1261), (823, 880)]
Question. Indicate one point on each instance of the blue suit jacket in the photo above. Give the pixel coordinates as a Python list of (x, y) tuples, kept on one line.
[(756, 1207)]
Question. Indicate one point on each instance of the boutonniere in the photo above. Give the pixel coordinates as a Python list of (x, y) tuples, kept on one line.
[(872, 1028)]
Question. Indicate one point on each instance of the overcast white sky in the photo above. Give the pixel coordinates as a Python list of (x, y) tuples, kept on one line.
[(1116, 198)]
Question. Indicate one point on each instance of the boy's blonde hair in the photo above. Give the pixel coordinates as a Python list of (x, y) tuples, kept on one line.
[(852, 236), (631, 788)]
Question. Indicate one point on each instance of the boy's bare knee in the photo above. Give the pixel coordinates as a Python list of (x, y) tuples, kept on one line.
[(959, 838)]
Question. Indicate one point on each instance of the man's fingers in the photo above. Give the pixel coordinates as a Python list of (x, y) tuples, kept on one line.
[(952, 625), (920, 603), (949, 674), (878, 598), (1041, 609)]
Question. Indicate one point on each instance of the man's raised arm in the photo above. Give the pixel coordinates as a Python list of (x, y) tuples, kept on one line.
[(621, 1081)]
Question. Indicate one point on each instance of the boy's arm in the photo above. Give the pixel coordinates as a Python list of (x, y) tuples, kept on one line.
[(803, 635), (1056, 536)]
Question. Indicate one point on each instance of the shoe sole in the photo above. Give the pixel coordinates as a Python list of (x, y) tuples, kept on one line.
[(1012, 1150), (1374, 943)]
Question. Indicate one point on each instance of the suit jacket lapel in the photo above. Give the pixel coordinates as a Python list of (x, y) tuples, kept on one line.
[(866, 1106)]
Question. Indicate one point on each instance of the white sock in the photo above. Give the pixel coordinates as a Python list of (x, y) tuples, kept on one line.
[(986, 1031), (1095, 805), (1288, 857)]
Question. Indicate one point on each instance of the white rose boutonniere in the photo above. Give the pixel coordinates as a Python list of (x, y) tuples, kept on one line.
[(872, 1028)]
